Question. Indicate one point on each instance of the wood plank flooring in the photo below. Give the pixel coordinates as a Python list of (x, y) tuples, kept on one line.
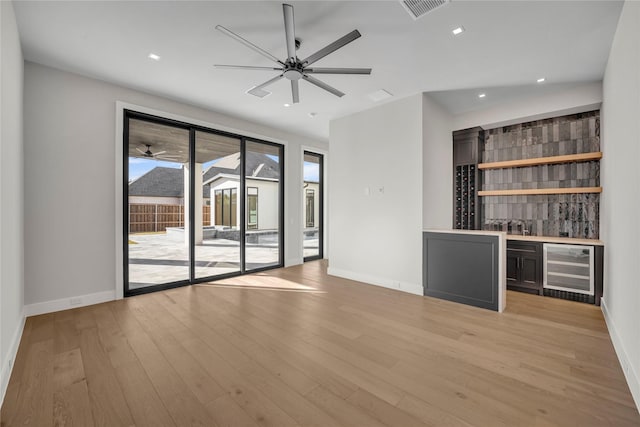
[(296, 347)]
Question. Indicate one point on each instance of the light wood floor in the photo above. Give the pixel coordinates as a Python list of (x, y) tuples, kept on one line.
[(298, 347)]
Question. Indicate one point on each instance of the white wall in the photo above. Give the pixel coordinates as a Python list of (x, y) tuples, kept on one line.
[(620, 200), (11, 193), (585, 97), (267, 203), (376, 238), (437, 164), (69, 145)]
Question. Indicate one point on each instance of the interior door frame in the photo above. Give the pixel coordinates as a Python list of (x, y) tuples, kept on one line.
[(127, 114)]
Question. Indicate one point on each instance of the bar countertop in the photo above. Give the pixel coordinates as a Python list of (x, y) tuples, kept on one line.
[(543, 239), (549, 239)]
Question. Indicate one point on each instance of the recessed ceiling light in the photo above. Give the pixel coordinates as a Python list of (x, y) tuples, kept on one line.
[(482, 95), (458, 30), (541, 80), (287, 105), (154, 56)]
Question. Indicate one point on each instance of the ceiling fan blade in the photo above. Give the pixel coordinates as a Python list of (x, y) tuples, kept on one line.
[(332, 47), (338, 70), (159, 153), (140, 151), (259, 90), (295, 91), (289, 31), (247, 67), (323, 85), (247, 43)]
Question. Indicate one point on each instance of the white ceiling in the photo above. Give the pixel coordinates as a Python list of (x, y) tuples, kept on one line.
[(507, 45)]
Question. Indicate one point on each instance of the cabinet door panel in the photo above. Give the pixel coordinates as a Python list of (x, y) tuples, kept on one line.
[(530, 271), (512, 268)]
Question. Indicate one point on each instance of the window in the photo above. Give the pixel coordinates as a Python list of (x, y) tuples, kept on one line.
[(226, 207), (252, 208), (310, 208)]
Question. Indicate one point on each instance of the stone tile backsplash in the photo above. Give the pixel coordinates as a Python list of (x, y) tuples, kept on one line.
[(577, 133), (570, 215), (564, 175), (567, 215)]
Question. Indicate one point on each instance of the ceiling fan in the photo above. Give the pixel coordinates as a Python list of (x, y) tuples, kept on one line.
[(159, 155), (293, 68)]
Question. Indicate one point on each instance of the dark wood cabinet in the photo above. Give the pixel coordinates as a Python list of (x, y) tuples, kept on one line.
[(524, 267), (468, 146)]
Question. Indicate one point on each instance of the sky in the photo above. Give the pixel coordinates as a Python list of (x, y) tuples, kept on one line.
[(139, 166)]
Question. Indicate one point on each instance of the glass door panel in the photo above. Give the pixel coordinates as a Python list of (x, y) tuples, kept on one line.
[(217, 239), (312, 206), (192, 219), (263, 219), (157, 248)]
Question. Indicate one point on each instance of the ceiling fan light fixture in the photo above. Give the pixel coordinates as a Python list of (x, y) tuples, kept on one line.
[(293, 74)]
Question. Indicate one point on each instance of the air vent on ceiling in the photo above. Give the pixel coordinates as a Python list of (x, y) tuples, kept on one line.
[(418, 8)]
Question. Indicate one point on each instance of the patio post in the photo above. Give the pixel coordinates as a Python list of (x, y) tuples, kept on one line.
[(197, 204)]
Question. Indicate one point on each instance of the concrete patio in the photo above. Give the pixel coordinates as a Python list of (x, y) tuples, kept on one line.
[(157, 258)]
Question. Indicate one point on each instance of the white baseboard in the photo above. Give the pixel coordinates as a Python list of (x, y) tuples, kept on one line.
[(630, 373), (7, 364), (293, 261), (67, 303), (411, 288)]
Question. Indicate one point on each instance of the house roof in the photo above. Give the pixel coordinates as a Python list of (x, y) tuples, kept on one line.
[(169, 182), (159, 182), (258, 165)]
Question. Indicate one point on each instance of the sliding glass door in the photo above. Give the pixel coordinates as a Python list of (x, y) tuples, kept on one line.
[(217, 240), (199, 204), (312, 209), (157, 160), (263, 184)]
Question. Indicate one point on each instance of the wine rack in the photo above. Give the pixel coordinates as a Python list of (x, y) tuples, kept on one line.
[(468, 146), (466, 197)]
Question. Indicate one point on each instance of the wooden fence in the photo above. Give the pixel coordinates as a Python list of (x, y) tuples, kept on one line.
[(149, 218)]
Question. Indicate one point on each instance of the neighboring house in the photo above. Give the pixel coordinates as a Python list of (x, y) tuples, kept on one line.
[(262, 181), (310, 203), (221, 184), (162, 186)]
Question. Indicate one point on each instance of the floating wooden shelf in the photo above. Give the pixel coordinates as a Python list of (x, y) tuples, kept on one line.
[(583, 157), (534, 191)]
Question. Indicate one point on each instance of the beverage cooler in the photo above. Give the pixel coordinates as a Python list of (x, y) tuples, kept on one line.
[(568, 268)]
